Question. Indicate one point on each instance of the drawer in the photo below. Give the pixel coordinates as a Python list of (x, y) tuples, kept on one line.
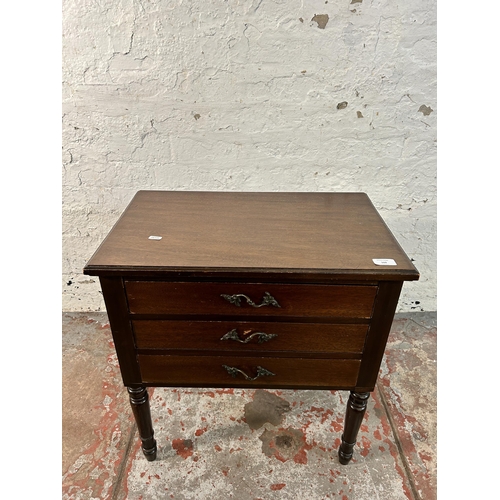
[(230, 371), (256, 299), (250, 336)]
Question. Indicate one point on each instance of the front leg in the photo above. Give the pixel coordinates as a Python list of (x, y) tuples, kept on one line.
[(139, 400), (356, 407)]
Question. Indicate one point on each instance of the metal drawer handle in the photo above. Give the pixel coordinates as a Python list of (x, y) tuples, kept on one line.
[(263, 337), (267, 300), (261, 372)]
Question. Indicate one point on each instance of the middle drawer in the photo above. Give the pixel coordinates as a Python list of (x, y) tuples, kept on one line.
[(250, 336)]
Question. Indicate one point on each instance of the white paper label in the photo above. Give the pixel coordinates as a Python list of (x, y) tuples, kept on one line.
[(384, 262), (155, 238)]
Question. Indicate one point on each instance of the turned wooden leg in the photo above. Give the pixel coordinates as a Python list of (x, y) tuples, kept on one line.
[(356, 407), (139, 400)]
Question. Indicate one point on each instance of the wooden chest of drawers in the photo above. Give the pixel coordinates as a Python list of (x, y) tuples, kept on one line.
[(268, 290)]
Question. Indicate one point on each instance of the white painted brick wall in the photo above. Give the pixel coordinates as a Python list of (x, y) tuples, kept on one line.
[(244, 96)]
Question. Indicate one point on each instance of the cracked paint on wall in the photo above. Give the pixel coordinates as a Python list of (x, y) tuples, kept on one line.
[(321, 20), (425, 110), (243, 97)]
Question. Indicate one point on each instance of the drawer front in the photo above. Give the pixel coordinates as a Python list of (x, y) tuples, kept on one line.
[(250, 337), (260, 300), (227, 371)]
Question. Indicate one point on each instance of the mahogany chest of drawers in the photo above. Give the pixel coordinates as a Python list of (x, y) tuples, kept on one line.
[(263, 290)]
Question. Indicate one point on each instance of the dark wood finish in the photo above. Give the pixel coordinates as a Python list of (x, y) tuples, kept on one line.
[(121, 328), (326, 233), (139, 400), (386, 302), (292, 337), (356, 407), (160, 297), (208, 371), (312, 252)]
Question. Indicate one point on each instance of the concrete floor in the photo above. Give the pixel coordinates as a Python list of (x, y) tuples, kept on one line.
[(248, 444)]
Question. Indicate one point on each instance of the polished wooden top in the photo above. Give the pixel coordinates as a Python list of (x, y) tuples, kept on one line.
[(307, 233)]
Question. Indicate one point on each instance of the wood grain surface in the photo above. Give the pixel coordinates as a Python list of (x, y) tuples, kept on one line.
[(332, 301), (208, 371), (295, 232), (284, 337)]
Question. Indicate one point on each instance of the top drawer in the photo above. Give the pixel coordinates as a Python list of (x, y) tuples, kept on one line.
[(256, 299)]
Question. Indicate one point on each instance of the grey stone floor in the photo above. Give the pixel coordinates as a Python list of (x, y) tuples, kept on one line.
[(248, 444)]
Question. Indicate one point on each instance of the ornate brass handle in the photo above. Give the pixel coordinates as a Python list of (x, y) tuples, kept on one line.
[(263, 337), (267, 300), (261, 372)]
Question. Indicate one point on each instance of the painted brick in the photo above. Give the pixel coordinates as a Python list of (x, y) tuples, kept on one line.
[(249, 96)]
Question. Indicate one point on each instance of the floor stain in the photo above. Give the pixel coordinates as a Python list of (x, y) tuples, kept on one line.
[(183, 447), (285, 444), (265, 407)]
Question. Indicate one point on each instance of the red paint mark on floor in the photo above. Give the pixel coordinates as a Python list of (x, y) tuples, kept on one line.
[(406, 442), (425, 457), (199, 432), (301, 457), (336, 426), (317, 410), (420, 462), (278, 486), (291, 438), (395, 454), (326, 415), (280, 457), (217, 447), (183, 447), (102, 458), (376, 435), (305, 426), (225, 391), (133, 453), (366, 443)]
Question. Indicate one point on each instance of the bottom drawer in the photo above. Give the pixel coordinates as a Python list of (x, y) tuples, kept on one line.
[(227, 371)]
